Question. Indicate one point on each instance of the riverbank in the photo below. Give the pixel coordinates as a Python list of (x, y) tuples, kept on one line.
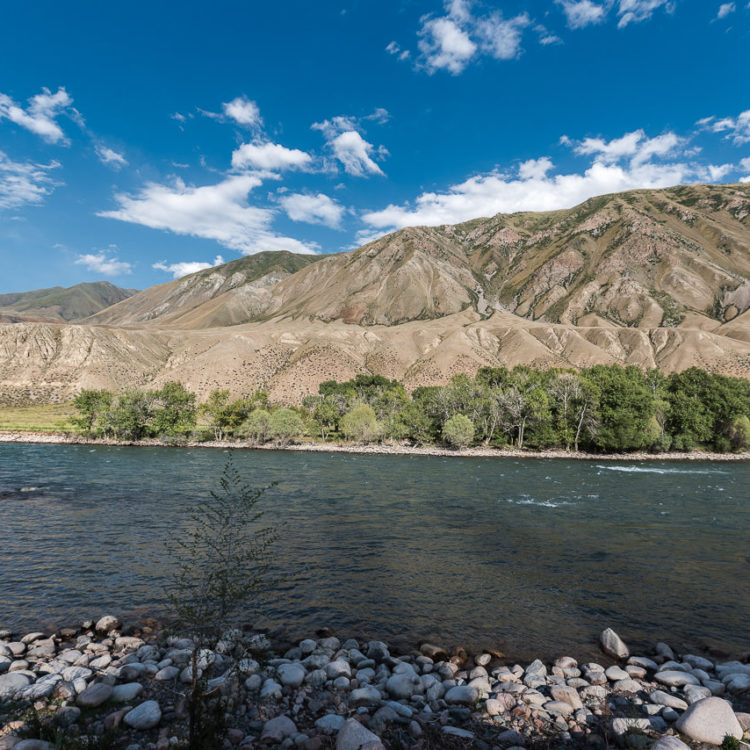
[(393, 449), (129, 685)]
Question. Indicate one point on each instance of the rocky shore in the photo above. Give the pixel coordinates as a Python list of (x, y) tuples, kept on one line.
[(128, 686), (386, 448)]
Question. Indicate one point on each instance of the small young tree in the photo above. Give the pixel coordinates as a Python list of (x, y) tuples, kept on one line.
[(458, 431), (222, 571), (361, 424), (256, 426)]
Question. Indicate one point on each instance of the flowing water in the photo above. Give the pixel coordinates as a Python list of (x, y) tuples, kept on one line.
[(534, 557)]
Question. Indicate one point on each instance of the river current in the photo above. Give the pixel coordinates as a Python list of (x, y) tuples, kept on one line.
[(529, 556)]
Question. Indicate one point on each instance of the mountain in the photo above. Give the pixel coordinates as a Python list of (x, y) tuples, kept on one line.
[(647, 258), (656, 278), (232, 293), (60, 304)]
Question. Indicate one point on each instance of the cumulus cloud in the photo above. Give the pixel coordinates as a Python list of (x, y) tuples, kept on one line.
[(582, 13), (110, 157), (218, 212), (313, 209), (104, 263), (24, 182), (745, 167), (501, 38), (243, 112), (735, 129), (445, 45), (269, 156), (184, 268), (626, 163), (450, 42), (725, 9), (635, 145), (40, 116), (635, 11), (349, 147)]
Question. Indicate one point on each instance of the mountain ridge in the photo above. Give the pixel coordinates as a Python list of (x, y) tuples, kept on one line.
[(650, 278), (61, 304)]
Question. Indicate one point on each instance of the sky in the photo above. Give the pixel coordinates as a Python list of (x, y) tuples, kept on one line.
[(143, 141)]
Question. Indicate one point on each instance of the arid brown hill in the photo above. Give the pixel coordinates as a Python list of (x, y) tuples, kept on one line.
[(653, 278)]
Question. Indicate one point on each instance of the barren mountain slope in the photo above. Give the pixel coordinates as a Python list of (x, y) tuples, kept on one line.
[(225, 295), (47, 363), (638, 259), (674, 258), (59, 304)]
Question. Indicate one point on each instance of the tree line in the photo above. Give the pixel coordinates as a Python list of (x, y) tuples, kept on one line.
[(605, 408)]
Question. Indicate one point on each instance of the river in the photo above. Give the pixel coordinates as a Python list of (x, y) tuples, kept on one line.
[(532, 557)]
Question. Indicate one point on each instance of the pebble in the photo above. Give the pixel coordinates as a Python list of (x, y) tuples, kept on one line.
[(353, 736)]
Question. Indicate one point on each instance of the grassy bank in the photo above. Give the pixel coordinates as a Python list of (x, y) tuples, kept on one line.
[(47, 418)]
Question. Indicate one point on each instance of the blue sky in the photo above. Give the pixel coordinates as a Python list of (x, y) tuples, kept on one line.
[(140, 141)]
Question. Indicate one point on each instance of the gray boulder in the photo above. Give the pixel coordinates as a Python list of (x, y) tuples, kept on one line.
[(353, 736), (278, 729), (11, 683), (144, 716), (709, 720), (613, 645), (464, 695), (95, 695)]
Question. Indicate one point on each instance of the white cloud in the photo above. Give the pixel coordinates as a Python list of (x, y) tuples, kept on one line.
[(394, 48), (631, 162), (104, 263), (635, 11), (717, 172), (634, 145), (582, 13), (270, 156), (445, 45), (110, 157), (184, 268), (24, 182), (545, 36), (353, 151), (725, 9), (501, 38), (40, 116), (349, 147), (243, 111), (314, 209), (218, 212), (737, 129)]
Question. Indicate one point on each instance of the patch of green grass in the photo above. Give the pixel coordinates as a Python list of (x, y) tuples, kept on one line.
[(40, 418)]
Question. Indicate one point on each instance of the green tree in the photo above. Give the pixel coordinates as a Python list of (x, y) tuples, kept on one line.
[(129, 418), (92, 406), (173, 410), (458, 431), (285, 426), (361, 424), (626, 408)]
